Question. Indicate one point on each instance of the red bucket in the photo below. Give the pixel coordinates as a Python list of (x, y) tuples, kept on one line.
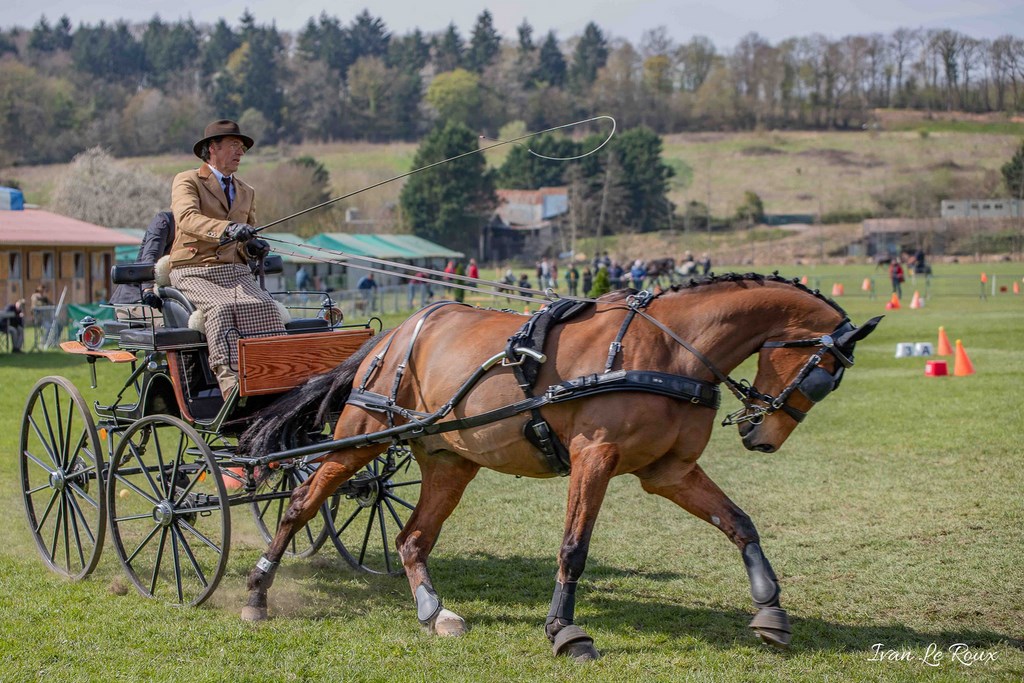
[(936, 368)]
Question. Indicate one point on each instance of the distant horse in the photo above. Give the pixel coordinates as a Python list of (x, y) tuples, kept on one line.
[(661, 271), (674, 353)]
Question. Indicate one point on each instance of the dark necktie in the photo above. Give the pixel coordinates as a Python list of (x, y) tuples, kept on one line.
[(227, 188)]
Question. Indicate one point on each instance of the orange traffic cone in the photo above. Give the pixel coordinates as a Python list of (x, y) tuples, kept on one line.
[(962, 364), (894, 302), (984, 278), (943, 347), (803, 280), (837, 289), (866, 285), (1016, 288), (916, 301)]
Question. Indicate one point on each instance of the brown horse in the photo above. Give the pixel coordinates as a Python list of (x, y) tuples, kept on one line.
[(691, 336)]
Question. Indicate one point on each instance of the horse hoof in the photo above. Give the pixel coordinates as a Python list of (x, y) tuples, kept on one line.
[(254, 613), (448, 623), (574, 643), (771, 625)]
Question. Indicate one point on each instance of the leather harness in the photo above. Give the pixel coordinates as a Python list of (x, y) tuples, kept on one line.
[(526, 368)]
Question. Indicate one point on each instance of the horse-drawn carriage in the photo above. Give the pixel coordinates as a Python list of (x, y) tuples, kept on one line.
[(463, 388), (159, 465)]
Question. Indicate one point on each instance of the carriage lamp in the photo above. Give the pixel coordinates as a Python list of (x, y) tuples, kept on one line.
[(332, 314), (90, 334)]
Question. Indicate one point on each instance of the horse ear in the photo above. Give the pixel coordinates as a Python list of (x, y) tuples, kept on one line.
[(859, 333)]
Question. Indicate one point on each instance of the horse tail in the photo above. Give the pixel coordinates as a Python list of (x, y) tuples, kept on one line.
[(290, 420)]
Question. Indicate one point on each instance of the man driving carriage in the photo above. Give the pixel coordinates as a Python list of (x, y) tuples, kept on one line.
[(214, 212)]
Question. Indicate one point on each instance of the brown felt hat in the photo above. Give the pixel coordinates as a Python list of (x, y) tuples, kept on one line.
[(219, 129)]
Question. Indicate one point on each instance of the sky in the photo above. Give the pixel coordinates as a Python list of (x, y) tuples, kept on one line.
[(723, 21)]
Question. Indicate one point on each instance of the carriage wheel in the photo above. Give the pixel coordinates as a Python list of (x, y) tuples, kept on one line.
[(268, 513), (372, 507), (62, 477), (169, 514)]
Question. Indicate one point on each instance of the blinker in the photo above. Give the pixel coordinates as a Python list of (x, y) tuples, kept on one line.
[(819, 383)]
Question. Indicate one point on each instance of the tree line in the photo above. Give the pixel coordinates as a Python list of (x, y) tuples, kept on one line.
[(149, 88)]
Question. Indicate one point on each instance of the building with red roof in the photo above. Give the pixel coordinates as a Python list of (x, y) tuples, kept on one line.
[(40, 248)]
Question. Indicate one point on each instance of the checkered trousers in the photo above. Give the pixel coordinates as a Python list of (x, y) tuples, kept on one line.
[(232, 303)]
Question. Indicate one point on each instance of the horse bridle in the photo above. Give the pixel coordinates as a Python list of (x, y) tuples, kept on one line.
[(813, 381)]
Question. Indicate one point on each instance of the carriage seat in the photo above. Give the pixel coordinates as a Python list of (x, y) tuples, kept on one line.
[(177, 309)]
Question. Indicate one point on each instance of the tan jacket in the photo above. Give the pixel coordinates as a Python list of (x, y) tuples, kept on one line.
[(201, 215)]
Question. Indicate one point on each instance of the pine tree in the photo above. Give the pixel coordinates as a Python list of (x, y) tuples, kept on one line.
[(1013, 173), (450, 202), (525, 171), (646, 178), (484, 44), (590, 55), (259, 76), (327, 41), (368, 36), (551, 69), (410, 53), (602, 284), (218, 48), (448, 50)]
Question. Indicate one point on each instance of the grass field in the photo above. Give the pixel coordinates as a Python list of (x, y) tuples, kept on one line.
[(893, 517)]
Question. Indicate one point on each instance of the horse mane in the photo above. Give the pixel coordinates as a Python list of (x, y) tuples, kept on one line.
[(712, 279)]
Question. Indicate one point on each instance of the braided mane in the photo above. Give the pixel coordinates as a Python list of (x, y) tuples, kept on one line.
[(704, 280)]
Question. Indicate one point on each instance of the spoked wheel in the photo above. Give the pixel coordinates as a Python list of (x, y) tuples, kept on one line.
[(268, 513), (62, 477), (372, 507), (169, 514)]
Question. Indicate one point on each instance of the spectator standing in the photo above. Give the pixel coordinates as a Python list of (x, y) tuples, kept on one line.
[(705, 263), (39, 297), (572, 279), (449, 270), (588, 281), (896, 275), (368, 290), (302, 279), (637, 274), (615, 274)]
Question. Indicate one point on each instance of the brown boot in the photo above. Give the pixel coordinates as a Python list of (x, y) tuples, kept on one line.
[(227, 379)]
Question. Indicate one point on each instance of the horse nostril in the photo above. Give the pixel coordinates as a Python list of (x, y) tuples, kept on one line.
[(765, 448)]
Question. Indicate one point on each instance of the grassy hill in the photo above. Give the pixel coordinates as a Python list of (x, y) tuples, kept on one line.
[(910, 161)]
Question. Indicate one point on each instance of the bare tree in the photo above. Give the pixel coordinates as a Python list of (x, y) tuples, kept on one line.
[(97, 189), (694, 61), (902, 46)]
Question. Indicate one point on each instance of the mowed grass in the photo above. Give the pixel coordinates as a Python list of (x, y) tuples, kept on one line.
[(893, 516)]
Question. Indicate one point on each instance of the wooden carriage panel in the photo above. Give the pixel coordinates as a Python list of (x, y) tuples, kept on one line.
[(270, 365)]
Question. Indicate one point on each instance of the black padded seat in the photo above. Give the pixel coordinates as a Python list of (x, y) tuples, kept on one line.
[(162, 339), (304, 325), (113, 328)]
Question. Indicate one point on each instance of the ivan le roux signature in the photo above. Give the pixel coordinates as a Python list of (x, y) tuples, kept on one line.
[(961, 653)]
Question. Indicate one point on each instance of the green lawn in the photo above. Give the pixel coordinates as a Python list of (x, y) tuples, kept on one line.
[(893, 516)]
